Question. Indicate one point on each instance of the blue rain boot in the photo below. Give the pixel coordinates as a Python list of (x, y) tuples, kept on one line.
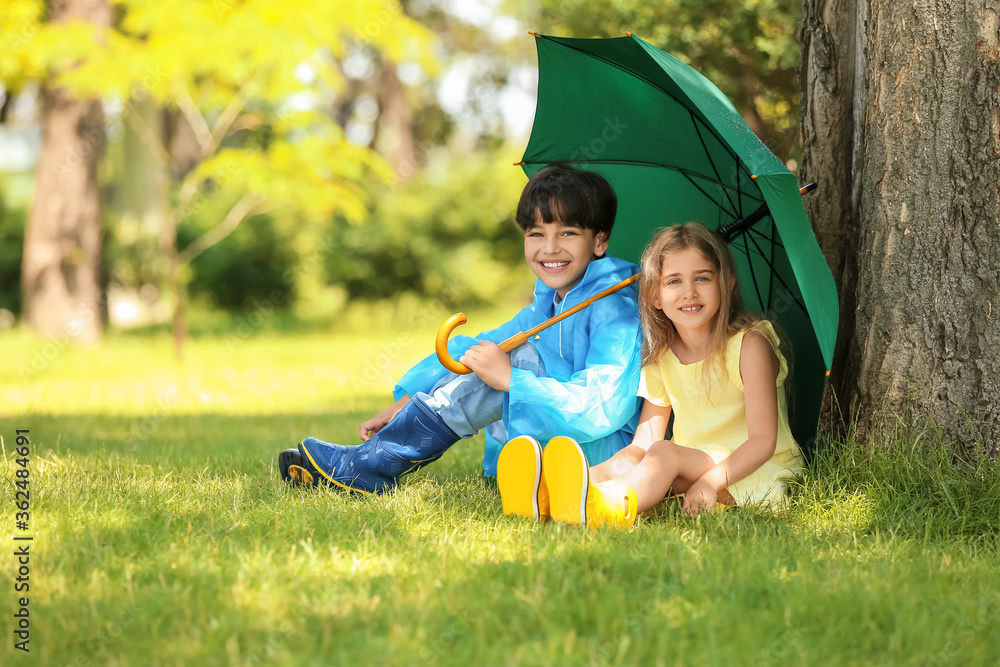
[(415, 437), (286, 460)]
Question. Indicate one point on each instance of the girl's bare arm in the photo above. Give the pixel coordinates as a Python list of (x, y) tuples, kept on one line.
[(759, 370), (652, 427)]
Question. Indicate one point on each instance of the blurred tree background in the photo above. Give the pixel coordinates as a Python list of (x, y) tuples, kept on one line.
[(317, 156)]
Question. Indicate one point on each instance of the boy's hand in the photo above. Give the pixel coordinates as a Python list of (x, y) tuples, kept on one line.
[(375, 424), (490, 364)]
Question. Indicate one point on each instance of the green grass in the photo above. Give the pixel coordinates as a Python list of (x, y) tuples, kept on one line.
[(163, 535)]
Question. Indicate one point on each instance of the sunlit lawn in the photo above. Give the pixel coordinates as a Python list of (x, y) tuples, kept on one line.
[(164, 536)]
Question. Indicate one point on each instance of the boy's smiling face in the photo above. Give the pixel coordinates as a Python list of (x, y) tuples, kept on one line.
[(560, 252)]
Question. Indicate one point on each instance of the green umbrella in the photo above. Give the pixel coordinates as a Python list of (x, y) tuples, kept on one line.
[(675, 150)]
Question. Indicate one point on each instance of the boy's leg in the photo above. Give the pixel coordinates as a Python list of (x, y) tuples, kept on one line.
[(413, 438), (468, 405), (418, 435)]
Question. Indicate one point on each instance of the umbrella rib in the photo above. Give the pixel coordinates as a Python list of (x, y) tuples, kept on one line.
[(721, 205), (736, 206), (671, 167), (774, 233), (773, 242), (654, 85), (778, 276), (753, 276)]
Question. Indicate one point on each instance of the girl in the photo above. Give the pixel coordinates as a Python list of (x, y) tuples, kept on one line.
[(713, 364)]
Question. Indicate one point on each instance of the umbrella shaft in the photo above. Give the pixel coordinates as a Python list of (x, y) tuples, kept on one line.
[(732, 229), (441, 340)]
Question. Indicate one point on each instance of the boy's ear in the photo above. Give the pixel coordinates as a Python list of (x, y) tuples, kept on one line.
[(601, 244)]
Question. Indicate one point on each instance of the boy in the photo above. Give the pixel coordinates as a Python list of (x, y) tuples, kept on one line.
[(578, 378)]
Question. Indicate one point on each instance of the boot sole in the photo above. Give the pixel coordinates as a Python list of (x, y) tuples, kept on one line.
[(519, 474), (299, 476), (567, 474), (287, 459)]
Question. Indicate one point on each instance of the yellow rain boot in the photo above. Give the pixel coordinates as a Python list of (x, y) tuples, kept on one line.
[(523, 490), (574, 499)]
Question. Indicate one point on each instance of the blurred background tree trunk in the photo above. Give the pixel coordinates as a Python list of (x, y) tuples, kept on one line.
[(901, 129), (62, 243), (396, 142)]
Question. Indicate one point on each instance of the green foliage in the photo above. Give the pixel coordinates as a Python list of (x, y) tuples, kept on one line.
[(161, 529), (244, 269), (232, 67), (19, 24), (252, 80), (262, 87), (12, 224), (747, 48), (448, 234)]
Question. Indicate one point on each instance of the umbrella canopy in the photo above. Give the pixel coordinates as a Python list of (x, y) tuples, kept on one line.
[(675, 150)]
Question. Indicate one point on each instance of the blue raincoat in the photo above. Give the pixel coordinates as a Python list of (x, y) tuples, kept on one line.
[(592, 359)]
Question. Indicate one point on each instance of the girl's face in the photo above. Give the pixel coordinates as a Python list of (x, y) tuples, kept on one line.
[(690, 293)]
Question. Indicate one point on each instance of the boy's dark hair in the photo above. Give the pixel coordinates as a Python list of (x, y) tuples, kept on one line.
[(573, 196)]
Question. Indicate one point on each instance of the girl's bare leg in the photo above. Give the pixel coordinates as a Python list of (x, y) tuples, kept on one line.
[(619, 464), (666, 467)]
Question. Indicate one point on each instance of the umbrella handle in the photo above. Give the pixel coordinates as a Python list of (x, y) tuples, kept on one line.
[(441, 344), (444, 333), (518, 339)]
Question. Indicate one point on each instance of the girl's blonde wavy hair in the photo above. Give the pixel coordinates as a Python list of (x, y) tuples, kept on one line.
[(657, 329)]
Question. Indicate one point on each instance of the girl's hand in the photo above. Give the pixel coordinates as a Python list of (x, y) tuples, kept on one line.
[(490, 364), (375, 424), (700, 497)]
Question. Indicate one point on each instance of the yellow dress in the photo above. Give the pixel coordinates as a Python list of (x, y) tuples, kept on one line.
[(714, 421)]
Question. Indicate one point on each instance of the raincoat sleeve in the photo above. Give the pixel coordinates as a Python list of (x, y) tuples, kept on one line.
[(425, 374), (594, 402)]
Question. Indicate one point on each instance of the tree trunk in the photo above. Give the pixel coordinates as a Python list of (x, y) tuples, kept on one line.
[(395, 140), (62, 242), (168, 244), (901, 130)]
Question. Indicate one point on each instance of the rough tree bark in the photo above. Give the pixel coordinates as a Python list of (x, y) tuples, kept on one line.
[(62, 242), (901, 130)]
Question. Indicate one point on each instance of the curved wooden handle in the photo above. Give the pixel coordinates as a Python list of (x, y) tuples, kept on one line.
[(441, 344), (518, 339)]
